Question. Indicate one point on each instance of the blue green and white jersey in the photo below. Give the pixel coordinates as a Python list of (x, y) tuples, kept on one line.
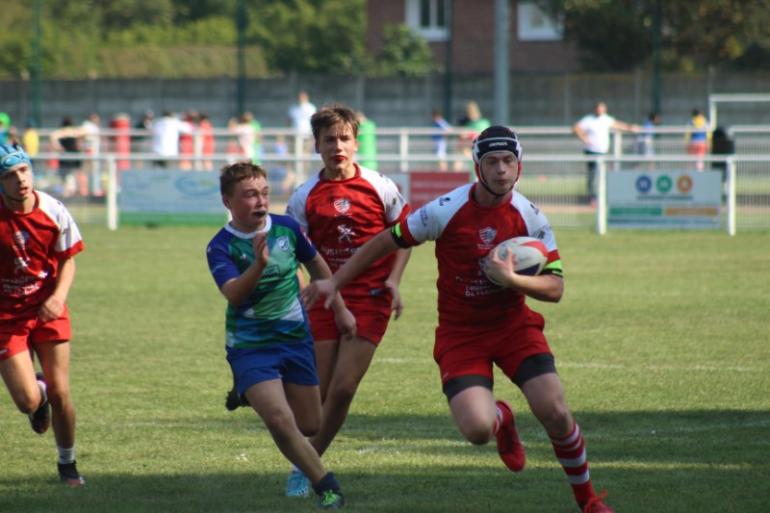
[(273, 313)]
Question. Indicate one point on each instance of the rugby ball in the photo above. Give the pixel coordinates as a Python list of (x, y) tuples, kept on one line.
[(531, 256)]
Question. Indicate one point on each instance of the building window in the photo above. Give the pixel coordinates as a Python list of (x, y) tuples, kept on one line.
[(428, 18), (536, 25)]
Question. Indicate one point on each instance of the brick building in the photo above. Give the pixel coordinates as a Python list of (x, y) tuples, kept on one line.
[(536, 42)]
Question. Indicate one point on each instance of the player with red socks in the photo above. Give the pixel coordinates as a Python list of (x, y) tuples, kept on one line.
[(482, 323)]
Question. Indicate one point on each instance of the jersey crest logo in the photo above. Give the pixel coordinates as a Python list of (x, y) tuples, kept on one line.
[(345, 233), (283, 243), (487, 235), (342, 205)]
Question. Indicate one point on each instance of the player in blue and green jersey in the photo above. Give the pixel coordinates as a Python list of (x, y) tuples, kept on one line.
[(254, 260)]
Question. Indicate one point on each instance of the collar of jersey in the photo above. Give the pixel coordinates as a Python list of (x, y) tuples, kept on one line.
[(251, 235)]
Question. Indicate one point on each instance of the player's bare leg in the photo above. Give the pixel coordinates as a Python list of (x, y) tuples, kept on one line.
[(545, 395), (352, 361), (55, 359), (305, 403), (270, 402), (18, 373), (326, 359), (473, 411)]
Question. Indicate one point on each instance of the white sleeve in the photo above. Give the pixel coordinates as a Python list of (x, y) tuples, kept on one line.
[(296, 207), (393, 201)]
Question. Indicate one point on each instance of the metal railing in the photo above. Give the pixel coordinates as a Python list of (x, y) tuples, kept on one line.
[(556, 182)]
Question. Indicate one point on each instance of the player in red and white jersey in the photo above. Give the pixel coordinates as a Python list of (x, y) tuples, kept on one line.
[(38, 240), (340, 209), (482, 324)]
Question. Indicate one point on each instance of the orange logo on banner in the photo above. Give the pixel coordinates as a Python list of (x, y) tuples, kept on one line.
[(684, 184)]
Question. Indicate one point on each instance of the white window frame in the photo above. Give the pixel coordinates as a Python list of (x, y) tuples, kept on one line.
[(535, 25), (433, 32)]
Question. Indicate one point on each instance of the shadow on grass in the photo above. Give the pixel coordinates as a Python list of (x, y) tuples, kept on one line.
[(701, 461)]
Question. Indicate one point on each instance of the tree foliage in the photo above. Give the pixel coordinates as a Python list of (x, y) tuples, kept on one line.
[(310, 35), (403, 53), (178, 38), (695, 35)]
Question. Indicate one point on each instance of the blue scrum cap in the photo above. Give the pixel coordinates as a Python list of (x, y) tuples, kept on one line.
[(496, 138), (11, 155)]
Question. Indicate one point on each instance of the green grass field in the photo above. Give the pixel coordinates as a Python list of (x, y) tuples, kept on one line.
[(661, 340)]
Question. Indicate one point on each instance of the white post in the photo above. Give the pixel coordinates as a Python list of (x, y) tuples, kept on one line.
[(601, 197), (731, 195), (112, 192), (403, 150)]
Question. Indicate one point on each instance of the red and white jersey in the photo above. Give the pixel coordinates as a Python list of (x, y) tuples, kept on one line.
[(340, 216), (465, 232), (31, 247)]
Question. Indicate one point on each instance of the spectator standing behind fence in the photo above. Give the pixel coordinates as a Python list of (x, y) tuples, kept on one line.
[(92, 147), (439, 140), (5, 127), (299, 117), (645, 141), (721, 144), (68, 138), (698, 137), (474, 123), (245, 135), (165, 137), (367, 141), (594, 131), (206, 140), (141, 140)]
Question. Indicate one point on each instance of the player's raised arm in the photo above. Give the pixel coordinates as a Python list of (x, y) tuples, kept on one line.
[(376, 248), (238, 289)]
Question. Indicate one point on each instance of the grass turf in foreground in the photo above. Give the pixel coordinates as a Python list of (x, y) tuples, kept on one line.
[(661, 341)]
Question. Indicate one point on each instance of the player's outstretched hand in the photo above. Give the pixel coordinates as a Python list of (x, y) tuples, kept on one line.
[(316, 290)]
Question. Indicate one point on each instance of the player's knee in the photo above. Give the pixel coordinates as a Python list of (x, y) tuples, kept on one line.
[(477, 433), (342, 391), (278, 422), (27, 404), (58, 396)]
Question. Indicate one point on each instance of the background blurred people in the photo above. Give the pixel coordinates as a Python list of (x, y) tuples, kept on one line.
[(594, 132), (367, 142), (698, 137), (439, 140)]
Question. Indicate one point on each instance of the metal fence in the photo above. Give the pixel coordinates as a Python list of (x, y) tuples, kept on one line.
[(554, 167)]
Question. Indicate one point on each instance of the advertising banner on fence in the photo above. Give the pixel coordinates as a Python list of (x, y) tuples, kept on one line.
[(664, 199), (425, 186), (170, 197)]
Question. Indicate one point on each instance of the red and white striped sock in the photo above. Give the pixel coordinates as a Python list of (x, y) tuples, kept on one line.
[(571, 452)]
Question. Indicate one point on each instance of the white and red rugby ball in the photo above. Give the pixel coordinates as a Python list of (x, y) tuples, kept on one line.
[(531, 257)]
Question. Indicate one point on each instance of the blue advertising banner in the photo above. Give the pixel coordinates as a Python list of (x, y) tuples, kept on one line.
[(664, 199), (170, 197)]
